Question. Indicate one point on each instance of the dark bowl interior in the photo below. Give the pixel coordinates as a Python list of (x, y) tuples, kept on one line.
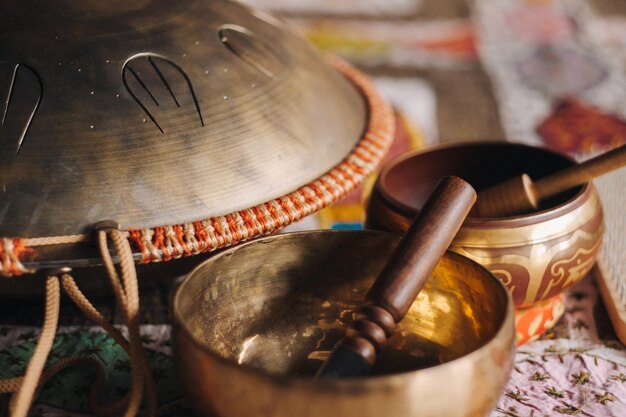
[(410, 179)]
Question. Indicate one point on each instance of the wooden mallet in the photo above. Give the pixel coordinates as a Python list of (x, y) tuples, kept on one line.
[(401, 280), (522, 195)]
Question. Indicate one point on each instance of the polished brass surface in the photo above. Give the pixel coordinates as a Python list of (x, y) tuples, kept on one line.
[(536, 255), (158, 112), (252, 323)]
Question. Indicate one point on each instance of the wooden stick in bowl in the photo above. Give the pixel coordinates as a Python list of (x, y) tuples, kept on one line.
[(521, 194), (401, 280)]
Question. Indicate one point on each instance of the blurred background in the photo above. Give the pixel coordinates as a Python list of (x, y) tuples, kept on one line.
[(544, 72)]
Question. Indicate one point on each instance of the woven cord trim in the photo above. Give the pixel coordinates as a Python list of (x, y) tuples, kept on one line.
[(126, 292), (174, 241)]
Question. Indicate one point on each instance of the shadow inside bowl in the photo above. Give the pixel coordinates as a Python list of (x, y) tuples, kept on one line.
[(410, 179)]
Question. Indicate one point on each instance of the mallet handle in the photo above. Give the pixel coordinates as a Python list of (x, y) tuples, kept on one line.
[(579, 174), (402, 278), (426, 240)]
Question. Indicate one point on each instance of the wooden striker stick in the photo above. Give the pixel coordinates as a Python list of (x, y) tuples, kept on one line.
[(402, 278)]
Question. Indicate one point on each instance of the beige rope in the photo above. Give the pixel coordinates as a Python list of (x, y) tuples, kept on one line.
[(10, 385), (126, 291), (77, 296), (70, 287), (21, 401), (111, 271), (13, 384), (55, 240)]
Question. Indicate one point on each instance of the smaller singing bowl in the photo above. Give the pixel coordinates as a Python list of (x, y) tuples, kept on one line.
[(252, 324), (536, 255)]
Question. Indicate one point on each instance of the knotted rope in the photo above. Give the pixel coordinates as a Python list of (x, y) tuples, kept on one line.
[(126, 290)]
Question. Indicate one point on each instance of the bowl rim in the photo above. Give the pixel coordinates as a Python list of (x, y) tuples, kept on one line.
[(485, 222), (180, 326)]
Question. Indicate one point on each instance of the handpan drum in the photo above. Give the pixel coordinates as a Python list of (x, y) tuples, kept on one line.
[(193, 124)]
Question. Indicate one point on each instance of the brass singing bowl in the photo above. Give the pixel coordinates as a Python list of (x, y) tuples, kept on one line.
[(251, 324), (536, 255)]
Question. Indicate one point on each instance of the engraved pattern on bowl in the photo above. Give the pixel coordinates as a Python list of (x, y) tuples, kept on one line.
[(536, 255)]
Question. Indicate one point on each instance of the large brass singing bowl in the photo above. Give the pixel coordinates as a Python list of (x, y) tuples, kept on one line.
[(252, 323)]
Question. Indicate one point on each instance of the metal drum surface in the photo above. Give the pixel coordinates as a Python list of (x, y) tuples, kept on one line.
[(158, 112)]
